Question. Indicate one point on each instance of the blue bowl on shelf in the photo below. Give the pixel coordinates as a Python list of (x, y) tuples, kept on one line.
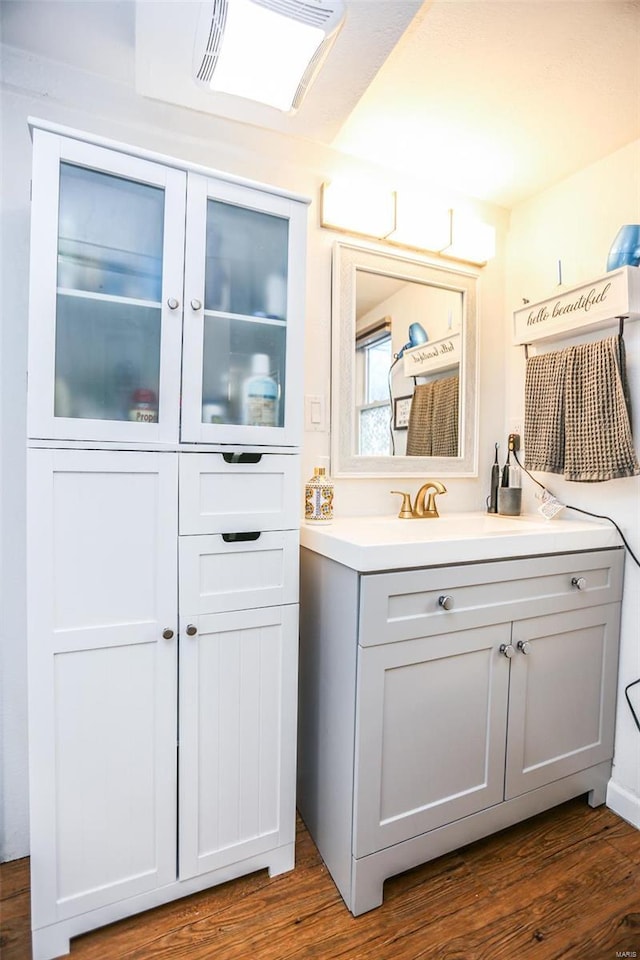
[(625, 249)]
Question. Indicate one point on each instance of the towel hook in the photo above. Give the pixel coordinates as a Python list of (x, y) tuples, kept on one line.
[(620, 326)]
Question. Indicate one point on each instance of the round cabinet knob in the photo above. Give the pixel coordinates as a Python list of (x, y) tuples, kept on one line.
[(579, 582), (507, 649), (167, 633), (524, 646), (196, 304), (191, 630), (172, 303), (446, 602)]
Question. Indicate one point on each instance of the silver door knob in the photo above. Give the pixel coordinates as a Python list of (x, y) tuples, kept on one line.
[(524, 646), (507, 649), (196, 304), (172, 303), (446, 602), (191, 630), (579, 582), (167, 633)]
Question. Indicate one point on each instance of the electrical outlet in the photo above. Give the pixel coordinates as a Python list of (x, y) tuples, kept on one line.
[(516, 426), (514, 441)]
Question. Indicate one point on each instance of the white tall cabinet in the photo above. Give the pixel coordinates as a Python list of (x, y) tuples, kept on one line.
[(165, 338)]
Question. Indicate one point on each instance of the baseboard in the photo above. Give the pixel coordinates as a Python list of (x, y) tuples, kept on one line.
[(624, 803)]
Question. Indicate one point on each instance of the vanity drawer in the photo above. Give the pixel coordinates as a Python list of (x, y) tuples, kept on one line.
[(219, 574), (406, 604), (220, 493)]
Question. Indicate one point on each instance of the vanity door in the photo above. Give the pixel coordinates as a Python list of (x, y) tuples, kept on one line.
[(562, 703), (430, 738)]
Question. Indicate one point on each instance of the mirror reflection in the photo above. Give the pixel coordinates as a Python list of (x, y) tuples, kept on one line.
[(404, 365), (407, 362)]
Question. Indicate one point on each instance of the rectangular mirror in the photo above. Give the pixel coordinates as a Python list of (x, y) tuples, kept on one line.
[(404, 365)]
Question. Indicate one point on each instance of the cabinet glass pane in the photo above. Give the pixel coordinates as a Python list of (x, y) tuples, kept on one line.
[(243, 372), (108, 322), (110, 234), (107, 359), (245, 316), (247, 256)]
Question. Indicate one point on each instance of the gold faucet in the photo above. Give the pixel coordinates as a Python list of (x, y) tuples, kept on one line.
[(424, 507)]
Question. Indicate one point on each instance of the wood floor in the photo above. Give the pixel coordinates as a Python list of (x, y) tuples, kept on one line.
[(565, 884)]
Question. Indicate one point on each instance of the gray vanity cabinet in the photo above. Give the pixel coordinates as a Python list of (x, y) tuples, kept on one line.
[(438, 705)]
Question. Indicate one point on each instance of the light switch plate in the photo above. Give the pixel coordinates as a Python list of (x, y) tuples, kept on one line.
[(315, 419)]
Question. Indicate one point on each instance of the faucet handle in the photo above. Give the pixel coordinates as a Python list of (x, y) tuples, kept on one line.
[(405, 510)]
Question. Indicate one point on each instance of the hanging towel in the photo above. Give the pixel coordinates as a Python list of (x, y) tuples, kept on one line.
[(444, 423), (598, 441), (544, 390), (433, 419), (420, 419), (577, 420)]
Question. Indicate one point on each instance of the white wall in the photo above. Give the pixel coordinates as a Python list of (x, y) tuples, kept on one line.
[(575, 222), (33, 87)]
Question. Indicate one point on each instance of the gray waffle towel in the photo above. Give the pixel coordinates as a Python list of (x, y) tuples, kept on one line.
[(577, 419), (433, 419)]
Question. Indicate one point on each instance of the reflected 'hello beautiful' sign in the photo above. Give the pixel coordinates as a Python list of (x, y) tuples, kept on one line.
[(434, 355)]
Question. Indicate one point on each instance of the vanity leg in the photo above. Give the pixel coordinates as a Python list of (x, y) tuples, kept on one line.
[(366, 888), (597, 796), (599, 777)]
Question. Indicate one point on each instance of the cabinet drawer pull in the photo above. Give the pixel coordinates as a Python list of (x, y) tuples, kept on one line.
[(446, 602), (524, 646), (579, 582), (507, 649), (167, 633), (239, 537), (196, 304), (191, 630), (242, 457), (172, 303)]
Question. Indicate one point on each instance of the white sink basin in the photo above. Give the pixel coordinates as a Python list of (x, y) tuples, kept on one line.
[(388, 543)]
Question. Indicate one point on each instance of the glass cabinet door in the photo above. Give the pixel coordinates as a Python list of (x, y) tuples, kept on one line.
[(243, 315), (110, 372)]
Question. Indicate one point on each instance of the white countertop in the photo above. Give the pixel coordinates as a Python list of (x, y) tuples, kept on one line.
[(388, 543)]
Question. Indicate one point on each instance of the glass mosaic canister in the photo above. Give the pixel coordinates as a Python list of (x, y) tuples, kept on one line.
[(318, 497)]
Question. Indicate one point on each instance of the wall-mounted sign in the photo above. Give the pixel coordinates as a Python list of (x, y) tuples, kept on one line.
[(587, 307), (435, 355)]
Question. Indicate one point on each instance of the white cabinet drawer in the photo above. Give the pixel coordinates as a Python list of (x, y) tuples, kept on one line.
[(220, 493), (218, 574), (406, 604)]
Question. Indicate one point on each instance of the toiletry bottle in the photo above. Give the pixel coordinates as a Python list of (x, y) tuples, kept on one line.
[(260, 395), (318, 497), (495, 483)]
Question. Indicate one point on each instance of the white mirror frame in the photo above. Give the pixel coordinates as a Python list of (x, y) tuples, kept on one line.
[(347, 259)]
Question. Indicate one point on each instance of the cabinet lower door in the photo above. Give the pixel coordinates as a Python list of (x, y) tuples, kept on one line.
[(102, 688), (430, 738), (237, 735), (562, 702)]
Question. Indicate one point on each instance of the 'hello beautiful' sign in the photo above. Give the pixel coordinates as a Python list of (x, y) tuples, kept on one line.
[(589, 306)]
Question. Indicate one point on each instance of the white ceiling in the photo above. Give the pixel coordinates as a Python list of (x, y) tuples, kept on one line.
[(495, 98)]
